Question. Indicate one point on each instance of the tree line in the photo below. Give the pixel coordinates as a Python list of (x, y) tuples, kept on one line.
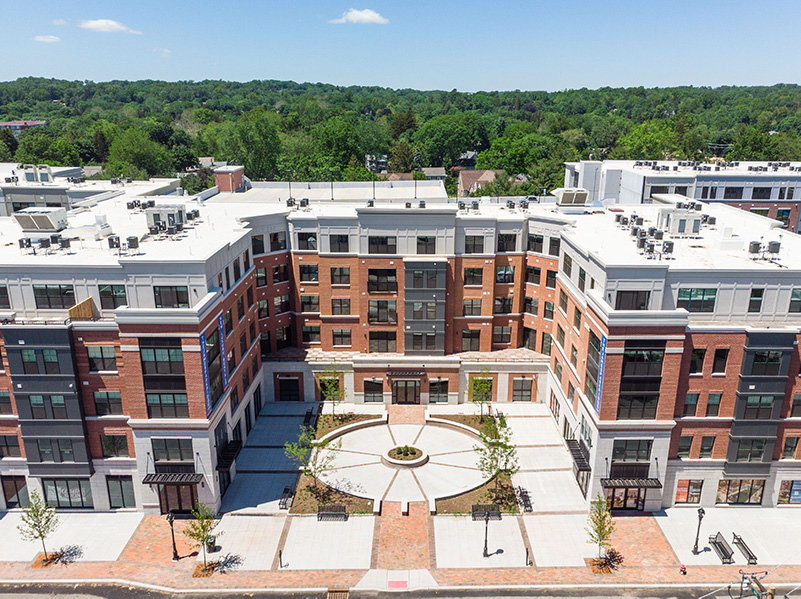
[(283, 130)]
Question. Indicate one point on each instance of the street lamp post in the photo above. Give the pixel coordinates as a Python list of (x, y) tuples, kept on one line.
[(486, 528), (332, 183), (701, 514), (171, 519), (289, 179)]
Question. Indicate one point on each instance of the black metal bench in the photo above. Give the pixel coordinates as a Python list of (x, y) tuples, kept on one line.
[(744, 549), (286, 499), (722, 548), (331, 511), (481, 510), (524, 499), (307, 420)]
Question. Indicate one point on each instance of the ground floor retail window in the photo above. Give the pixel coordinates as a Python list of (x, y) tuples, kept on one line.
[(120, 492), (554, 407), (740, 491), (15, 491), (583, 479), (68, 492), (790, 491), (438, 392), (373, 392), (179, 499), (289, 389), (689, 491), (626, 498)]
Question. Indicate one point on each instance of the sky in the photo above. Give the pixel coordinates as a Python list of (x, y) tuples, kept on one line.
[(468, 45)]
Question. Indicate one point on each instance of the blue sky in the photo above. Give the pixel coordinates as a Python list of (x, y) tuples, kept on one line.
[(434, 44)]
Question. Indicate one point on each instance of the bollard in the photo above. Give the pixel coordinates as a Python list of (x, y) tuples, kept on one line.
[(527, 560), (280, 560)]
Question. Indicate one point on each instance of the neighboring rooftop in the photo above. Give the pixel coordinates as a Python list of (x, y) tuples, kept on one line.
[(673, 168)]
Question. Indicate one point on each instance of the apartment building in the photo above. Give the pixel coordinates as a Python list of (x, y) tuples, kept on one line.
[(766, 188), (663, 337)]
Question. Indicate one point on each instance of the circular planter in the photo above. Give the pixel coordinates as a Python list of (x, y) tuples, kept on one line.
[(418, 460)]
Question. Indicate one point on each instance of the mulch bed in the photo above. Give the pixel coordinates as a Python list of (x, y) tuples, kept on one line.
[(413, 453), (597, 566), (327, 423), (463, 504), (204, 572), (307, 498), (40, 561), (470, 420)]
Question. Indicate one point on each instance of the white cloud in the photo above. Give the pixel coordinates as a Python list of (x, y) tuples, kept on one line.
[(47, 39), (163, 52), (365, 16), (107, 26), (58, 22)]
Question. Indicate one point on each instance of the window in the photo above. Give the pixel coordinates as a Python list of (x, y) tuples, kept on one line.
[(530, 338), (54, 297), (766, 363), (507, 242), (795, 301), (311, 334), (424, 279), (690, 404), (427, 245), (340, 275), (574, 356), (342, 337), (278, 241), (563, 301), (783, 215), (9, 446), (114, 446), (697, 300), (632, 450), (421, 341), (307, 241), (15, 491), (471, 307), (550, 279), (30, 365), (553, 246), (171, 296), (58, 406), (567, 265), (373, 392), (340, 306), (438, 391), (381, 279), (755, 303), (108, 402), (719, 364), (471, 340), (707, 445), (548, 314), (750, 450), (249, 294), (237, 270), (382, 341), (632, 300), (740, 491), (760, 193), (50, 358), (120, 492), (504, 274), (790, 446), (689, 491), (582, 279), (546, 344), (475, 276), (240, 307), (521, 390), (112, 296), (243, 346), (227, 279), (593, 365), (503, 305), (68, 492), (246, 261), (531, 305), (795, 411), (576, 319), (280, 273), (228, 322), (281, 303), (473, 244), (263, 308), (283, 337), (382, 311), (501, 334), (308, 273), (167, 405), (339, 244), (381, 244), (38, 410), (732, 193), (697, 361), (637, 407), (560, 335), (424, 310), (535, 243), (5, 403), (713, 404), (289, 389), (5, 302), (309, 303), (558, 371), (758, 407), (685, 444), (533, 274)]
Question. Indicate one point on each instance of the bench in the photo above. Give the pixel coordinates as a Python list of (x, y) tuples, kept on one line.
[(722, 548), (331, 511), (481, 510), (744, 549), (307, 420), (286, 499), (524, 499)]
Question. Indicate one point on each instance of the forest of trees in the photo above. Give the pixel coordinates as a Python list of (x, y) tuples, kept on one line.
[(315, 132)]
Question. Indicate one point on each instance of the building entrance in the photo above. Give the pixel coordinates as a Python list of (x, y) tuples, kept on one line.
[(406, 392), (626, 498)]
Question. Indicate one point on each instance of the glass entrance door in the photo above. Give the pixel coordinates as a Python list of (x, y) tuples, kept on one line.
[(626, 498), (406, 392), (177, 498)]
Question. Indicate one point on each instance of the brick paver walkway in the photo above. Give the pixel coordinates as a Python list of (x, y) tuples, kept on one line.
[(403, 540), (406, 414)]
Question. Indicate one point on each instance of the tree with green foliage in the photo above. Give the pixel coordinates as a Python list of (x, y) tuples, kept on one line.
[(133, 147), (201, 528), (253, 142), (7, 138), (313, 457), (497, 454), (38, 521), (479, 389), (401, 159), (600, 524), (330, 383)]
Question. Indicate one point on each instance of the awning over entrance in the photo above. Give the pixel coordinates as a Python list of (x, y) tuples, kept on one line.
[(631, 483), (173, 478), (412, 373)]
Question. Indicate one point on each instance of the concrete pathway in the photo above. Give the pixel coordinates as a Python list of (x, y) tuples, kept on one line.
[(329, 545), (459, 543), (247, 543)]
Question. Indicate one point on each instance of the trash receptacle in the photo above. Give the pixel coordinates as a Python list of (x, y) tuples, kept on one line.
[(211, 544)]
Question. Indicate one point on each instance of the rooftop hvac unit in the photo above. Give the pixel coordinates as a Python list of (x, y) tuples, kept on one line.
[(304, 202), (42, 219), (639, 221), (44, 243), (649, 247), (675, 168), (774, 247), (510, 204), (642, 234), (129, 205), (750, 168), (635, 231), (659, 234), (179, 227), (171, 231), (618, 217), (624, 221), (154, 230), (421, 204), (641, 243), (25, 243), (461, 204), (698, 206), (408, 204), (290, 202), (717, 168), (524, 204), (113, 242), (370, 203), (474, 205), (570, 197), (54, 238), (170, 214), (711, 220), (190, 216), (667, 247), (651, 231), (133, 242), (64, 244), (754, 247)]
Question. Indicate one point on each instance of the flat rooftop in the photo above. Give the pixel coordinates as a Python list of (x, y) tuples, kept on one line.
[(678, 168)]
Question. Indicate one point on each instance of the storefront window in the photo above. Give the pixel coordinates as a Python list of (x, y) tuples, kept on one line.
[(740, 491), (689, 491), (790, 491)]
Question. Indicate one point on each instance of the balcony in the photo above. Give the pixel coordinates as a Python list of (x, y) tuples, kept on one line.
[(227, 455)]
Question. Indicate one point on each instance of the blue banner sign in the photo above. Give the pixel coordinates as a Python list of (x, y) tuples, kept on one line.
[(601, 363), (223, 356), (204, 361)]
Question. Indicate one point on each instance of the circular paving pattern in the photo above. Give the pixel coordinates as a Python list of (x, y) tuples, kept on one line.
[(360, 467)]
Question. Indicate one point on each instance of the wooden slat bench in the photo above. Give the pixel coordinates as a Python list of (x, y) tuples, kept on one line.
[(722, 548), (286, 499)]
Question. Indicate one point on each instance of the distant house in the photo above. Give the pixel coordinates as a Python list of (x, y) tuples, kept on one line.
[(467, 160), (471, 181), (396, 176), (376, 163), (434, 173), (18, 126)]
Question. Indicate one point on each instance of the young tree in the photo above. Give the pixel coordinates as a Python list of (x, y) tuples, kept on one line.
[(39, 521), (497, 454), (330, 383), (200, 529), (600, 524), (479, 390), (313, 457)]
